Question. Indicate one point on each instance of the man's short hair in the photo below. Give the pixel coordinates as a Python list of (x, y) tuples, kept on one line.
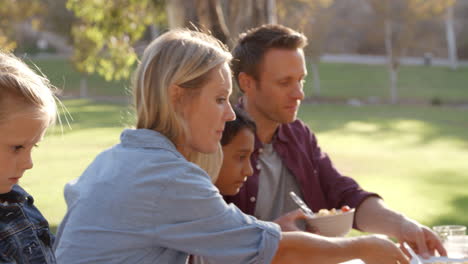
[(252, 46)]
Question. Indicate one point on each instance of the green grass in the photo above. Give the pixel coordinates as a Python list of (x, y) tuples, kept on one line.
[(61, 73), (415, 157), (415, 82), (338, 80)]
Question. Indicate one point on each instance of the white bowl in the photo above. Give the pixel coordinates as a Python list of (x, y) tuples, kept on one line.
[(333, 225)]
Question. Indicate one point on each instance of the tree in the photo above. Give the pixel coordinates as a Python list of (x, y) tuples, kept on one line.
[(204, 15), (224, 19), (313, 17), (245, 14), (451, 40), (107, 31), (398, 19), (13, 12), (59, 19)]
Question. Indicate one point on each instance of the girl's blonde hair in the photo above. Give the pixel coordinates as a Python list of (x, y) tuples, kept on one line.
[(182, 58), (21, 90)]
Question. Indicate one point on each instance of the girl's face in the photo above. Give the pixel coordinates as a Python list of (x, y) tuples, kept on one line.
[(18, 136), (236, 164), (207, 113)]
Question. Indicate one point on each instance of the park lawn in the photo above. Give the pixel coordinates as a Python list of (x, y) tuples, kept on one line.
[(341, 80), (62, 74), (338, 80), (415, 157)]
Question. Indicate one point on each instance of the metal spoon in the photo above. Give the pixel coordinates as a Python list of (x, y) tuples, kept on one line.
[(301, 204)]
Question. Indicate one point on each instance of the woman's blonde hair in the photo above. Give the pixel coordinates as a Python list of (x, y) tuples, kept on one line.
[(211, 162), (22, 89), (182, 58)]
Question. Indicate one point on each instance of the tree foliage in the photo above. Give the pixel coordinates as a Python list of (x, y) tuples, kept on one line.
[(13, 12), (107, 31), (105, 35)]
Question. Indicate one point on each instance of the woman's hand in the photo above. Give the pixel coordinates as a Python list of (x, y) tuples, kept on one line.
[(380, 250)]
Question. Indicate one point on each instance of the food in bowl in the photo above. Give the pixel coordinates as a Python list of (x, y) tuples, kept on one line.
[(333, 211), (333, 222)]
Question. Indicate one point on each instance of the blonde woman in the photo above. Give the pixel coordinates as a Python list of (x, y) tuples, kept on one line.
[(143, 201)]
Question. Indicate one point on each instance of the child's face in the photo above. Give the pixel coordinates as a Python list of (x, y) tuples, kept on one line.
[(236, 164), (18, 135)]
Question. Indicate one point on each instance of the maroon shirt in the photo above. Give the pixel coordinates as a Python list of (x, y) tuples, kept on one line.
[(322, 186)]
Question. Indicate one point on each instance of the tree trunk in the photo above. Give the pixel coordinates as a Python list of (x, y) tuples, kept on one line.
[(451, 41), (246, 14), (83, 87), (392, 62), (316, 76), (393, 84), (211, 17), (181, 13), (271, 11)]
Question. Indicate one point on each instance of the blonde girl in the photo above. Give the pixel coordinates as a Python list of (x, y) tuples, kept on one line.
[(27, 109)]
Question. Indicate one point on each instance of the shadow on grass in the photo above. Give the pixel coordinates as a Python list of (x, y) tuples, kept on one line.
[(453, 183), (424, 123), (456, 217)]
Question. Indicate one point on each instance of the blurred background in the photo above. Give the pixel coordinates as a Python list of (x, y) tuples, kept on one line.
[(387, 90)]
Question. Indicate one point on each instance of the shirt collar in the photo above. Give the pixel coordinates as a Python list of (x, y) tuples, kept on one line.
[(281, 134), (17, 195), (145, 138)]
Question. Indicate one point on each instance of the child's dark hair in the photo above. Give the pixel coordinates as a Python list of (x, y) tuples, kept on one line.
[(232, 128)]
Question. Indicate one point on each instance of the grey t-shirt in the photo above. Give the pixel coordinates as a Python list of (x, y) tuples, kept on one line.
[(276, 181)]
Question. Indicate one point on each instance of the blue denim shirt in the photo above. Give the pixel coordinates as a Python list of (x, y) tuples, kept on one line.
[(24, 232), (142, 202)]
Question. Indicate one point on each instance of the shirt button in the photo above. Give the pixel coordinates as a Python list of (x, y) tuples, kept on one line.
[(258, 167), (260, 150), (252, 199)]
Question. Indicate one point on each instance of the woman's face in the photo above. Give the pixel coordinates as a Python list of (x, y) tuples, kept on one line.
[(207, 113), (236, 164)]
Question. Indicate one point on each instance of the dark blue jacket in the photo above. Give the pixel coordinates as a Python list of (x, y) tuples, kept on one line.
[(24, 233)]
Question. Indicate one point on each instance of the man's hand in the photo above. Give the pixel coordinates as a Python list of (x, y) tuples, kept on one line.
[(420, 238), (375, 217)]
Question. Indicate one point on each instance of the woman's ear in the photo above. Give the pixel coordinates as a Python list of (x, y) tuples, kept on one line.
[(175, 95), (246, 82)]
